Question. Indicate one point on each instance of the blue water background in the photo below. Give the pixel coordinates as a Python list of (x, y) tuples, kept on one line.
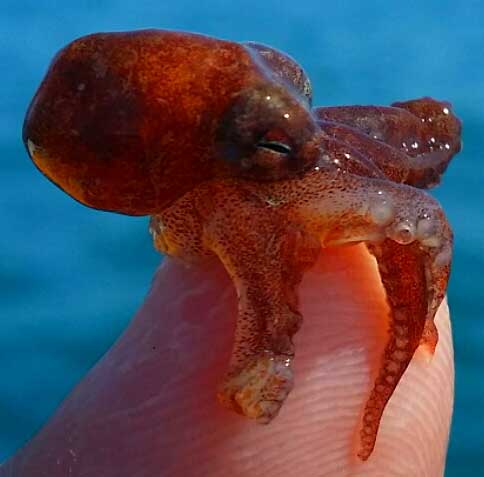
[(71, 277)]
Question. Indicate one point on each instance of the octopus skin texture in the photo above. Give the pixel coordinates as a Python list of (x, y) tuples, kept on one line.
[(130, 122), (219, 143)]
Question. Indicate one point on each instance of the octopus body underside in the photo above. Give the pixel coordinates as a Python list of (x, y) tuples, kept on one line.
[(366, 188)]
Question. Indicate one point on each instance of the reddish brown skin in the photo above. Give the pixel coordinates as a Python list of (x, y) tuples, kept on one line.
[(424, 139), (268, 234), (223, 175), (129, 121), (285, 68)]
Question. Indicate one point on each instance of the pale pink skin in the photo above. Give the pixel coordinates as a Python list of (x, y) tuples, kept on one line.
[(148, 408)]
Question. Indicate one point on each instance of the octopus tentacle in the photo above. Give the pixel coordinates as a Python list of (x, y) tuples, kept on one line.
[(410, 237), (404, 271), (265, 256), (268, 234), (440, 139), (394, 164), (341, 154), (266, 266), (438, 120), (424, 129)]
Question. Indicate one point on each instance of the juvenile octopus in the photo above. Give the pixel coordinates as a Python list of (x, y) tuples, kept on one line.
[(219, 143)]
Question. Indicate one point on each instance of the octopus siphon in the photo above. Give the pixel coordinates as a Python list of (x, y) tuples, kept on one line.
[(219, 142)]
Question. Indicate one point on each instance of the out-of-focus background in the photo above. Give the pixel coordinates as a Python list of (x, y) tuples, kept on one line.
[(71, 277)]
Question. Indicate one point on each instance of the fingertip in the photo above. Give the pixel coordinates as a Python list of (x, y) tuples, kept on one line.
[(149, 412)]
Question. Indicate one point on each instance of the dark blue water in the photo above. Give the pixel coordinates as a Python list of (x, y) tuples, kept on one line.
[(71, 278)]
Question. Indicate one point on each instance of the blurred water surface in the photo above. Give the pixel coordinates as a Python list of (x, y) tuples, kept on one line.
[(71, 278)]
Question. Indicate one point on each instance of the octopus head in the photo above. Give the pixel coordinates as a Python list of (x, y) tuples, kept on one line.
[(129, 122), (269, 134)]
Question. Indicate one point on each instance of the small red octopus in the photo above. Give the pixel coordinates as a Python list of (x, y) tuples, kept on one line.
[(219, 143)]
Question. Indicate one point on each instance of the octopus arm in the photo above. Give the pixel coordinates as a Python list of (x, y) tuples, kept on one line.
[(338, 152), (392, 162), (425, 130), (406, 273), (265, 256), (408, 233), (267, 235)]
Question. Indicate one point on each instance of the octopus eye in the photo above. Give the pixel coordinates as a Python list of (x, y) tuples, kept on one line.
[(275, 140), (266, 134), (275, 146), (270, 158)]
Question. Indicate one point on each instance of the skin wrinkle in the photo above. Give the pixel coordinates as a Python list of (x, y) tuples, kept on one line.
[(156, 417)]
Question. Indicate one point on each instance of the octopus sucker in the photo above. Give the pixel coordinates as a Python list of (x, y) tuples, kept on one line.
[(403, 278), (218, 142)]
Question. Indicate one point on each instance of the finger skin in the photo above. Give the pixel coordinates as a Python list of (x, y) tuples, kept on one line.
[(148, 408)]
